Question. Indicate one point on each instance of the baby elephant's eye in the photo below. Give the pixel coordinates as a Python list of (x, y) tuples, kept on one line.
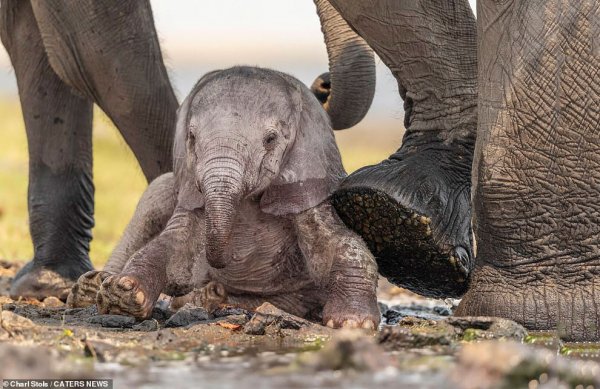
[(191, 139), (269, 140)]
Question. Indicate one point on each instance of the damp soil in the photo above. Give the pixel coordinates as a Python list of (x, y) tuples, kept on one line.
[(419, 345)]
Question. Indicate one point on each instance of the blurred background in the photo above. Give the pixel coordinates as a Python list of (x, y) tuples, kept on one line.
[(196, 37)]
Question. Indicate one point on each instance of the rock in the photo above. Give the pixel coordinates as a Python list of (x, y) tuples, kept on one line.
[(512, 365), (100, 351), (161, 312), (113, 321), (412, 332), (268, 315), (82, 312), (475, 328), (236, 319), (147, 325), (15, 324), (399, 337), (186, 316), (52, 302), (397, 312), (230, 311), (348, 349)]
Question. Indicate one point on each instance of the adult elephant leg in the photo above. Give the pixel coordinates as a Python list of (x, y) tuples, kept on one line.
[(108, 51), (61, 192), (413, 209), (537, 167)]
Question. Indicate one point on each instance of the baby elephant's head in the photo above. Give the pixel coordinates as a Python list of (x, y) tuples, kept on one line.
[(253, 134)]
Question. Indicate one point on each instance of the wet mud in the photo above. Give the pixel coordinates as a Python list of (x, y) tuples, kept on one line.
[(419, 345)]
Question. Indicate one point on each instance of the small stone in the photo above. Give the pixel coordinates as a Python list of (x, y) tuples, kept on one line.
[(186, 316), (230, 311), (147, 325), (348, 349), (269, 315), (113, 321), (475, 328), (100, 351), (442, 311), (161, 313), (82, 312), (52, 302), (13, 323), (399, 337)]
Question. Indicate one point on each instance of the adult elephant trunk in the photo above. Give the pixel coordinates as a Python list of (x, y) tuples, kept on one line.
[(347, 91), (222, 188)]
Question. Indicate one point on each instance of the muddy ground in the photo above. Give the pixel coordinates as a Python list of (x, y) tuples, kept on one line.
[(419, 345)]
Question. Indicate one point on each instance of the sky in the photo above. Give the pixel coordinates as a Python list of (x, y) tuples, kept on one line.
[(198, 36)]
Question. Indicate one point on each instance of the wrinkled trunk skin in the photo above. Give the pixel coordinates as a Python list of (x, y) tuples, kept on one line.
[(222, 188), (536, 171), (351, 80)]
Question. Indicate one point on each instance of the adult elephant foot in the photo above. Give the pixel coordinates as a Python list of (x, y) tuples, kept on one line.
[(413, 211), (39, 281), (562, 303)]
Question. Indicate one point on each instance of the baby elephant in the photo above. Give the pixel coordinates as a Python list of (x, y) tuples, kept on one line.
[(247, 208)]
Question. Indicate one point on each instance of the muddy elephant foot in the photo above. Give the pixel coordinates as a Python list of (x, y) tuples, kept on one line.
[(84, 291), (356, 312), (210, 297), (125, 294), (413, 211), (40, 282), (565, 304)]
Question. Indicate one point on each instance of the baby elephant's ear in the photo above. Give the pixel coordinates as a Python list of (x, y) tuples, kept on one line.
[(312, 168)]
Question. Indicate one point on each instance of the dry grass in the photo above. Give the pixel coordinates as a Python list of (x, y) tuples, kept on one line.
[(118, 179)]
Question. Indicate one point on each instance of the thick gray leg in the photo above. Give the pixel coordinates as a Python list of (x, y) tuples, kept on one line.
[(151, 216), (108, 51), (59, 134), (537, 167), (413, 209)]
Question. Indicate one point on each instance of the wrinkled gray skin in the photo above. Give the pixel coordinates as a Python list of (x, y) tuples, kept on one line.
[(68, 55), (536, 167), (255, 163)]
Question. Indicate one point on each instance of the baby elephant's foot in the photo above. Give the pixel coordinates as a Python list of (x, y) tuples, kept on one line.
[(124, 294), (84, 291), (342, 313), (212, 296)]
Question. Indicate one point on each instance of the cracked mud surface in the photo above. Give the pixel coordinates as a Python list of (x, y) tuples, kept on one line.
[(420, 345)]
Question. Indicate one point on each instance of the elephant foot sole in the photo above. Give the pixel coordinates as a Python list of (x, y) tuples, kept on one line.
[(124, 294), (555, 304), (84, 291), (402, 242)]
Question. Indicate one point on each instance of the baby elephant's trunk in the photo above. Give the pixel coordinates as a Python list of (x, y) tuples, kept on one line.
[(222, 188)]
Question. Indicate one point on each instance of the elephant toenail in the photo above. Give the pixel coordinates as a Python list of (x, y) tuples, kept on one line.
[(350, 324), (126, 283), (368, 325), (140, 297)]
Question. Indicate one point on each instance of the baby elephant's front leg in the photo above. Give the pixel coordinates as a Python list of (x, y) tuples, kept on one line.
[(341, 263), (136, 289)]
